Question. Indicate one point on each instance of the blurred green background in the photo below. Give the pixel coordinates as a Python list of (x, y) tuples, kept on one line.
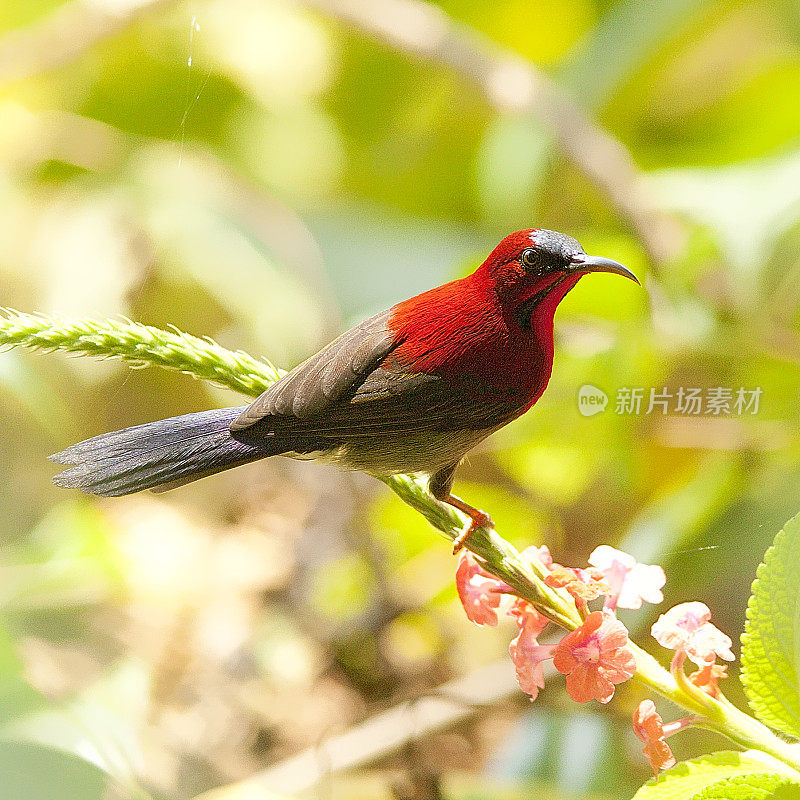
[(267, 172)]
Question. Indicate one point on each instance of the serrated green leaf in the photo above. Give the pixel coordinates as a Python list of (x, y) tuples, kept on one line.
[(771, 638), (752, 787), (688, 778)]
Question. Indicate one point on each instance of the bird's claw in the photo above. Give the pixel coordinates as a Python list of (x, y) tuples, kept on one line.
[(478, 519)]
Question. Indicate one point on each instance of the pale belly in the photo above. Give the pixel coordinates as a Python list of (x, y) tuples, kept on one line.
[(389, 454)]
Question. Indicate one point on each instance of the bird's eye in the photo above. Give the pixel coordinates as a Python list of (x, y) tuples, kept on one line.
[(529, 258)]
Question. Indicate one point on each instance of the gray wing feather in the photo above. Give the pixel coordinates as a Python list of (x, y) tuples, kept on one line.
[(345, 392), (389, 402), (423, 403), (318, 383)]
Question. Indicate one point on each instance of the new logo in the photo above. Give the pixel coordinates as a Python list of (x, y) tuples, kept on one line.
[(591, 400)]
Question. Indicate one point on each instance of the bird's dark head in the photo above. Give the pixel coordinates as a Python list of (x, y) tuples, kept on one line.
[(537, 266)]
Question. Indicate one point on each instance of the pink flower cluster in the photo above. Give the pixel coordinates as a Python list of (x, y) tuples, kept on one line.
[(649, 727), (595, 657), (686, 629)]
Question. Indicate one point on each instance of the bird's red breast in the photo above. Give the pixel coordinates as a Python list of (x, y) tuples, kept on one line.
[(471, 328)]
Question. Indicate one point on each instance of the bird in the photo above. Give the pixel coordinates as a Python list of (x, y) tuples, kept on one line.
[(410, 390)]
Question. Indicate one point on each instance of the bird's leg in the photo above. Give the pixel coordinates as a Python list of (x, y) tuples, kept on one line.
[(479, 519), (440, 485)]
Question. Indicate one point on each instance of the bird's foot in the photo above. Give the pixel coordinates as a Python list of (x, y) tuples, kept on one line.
[(478, 519)]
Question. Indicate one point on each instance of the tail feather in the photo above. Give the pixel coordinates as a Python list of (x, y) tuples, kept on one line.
[(161, 454)]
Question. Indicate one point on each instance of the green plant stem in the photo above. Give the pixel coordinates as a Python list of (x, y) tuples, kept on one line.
[(717, 714), (502, 559), (139, 346), (749, 733), (143, 345)]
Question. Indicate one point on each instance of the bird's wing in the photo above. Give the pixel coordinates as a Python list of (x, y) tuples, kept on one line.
[(322, 380), (355, 388), (390, 402)]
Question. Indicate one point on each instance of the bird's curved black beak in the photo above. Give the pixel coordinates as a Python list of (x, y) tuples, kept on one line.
[(584, 263)]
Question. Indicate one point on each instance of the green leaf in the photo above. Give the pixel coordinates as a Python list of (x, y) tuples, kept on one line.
[(35, 772), (752, 787), (512, 165), (689, 778), (17, 696), (772, 634), (724, 199), (627, 35), (100, 726)]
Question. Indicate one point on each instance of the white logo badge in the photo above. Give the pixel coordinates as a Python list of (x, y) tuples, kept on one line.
[(591, 400)]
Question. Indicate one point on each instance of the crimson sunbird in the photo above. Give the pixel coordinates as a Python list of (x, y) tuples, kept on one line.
[(410, 390)]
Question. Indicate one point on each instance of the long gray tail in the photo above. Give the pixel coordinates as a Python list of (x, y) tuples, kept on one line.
[(161, 454)]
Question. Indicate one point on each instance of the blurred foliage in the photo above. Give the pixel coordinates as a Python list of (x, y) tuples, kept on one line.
[(263, 173)]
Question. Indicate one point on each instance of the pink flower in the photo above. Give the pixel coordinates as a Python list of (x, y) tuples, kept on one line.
[(582, 584), (630, 582), (528, 618), (686, 628), (541, 554), (594, 657), (526, 652), (648, 726), (479, 591), (707, 678), (707, 642)]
